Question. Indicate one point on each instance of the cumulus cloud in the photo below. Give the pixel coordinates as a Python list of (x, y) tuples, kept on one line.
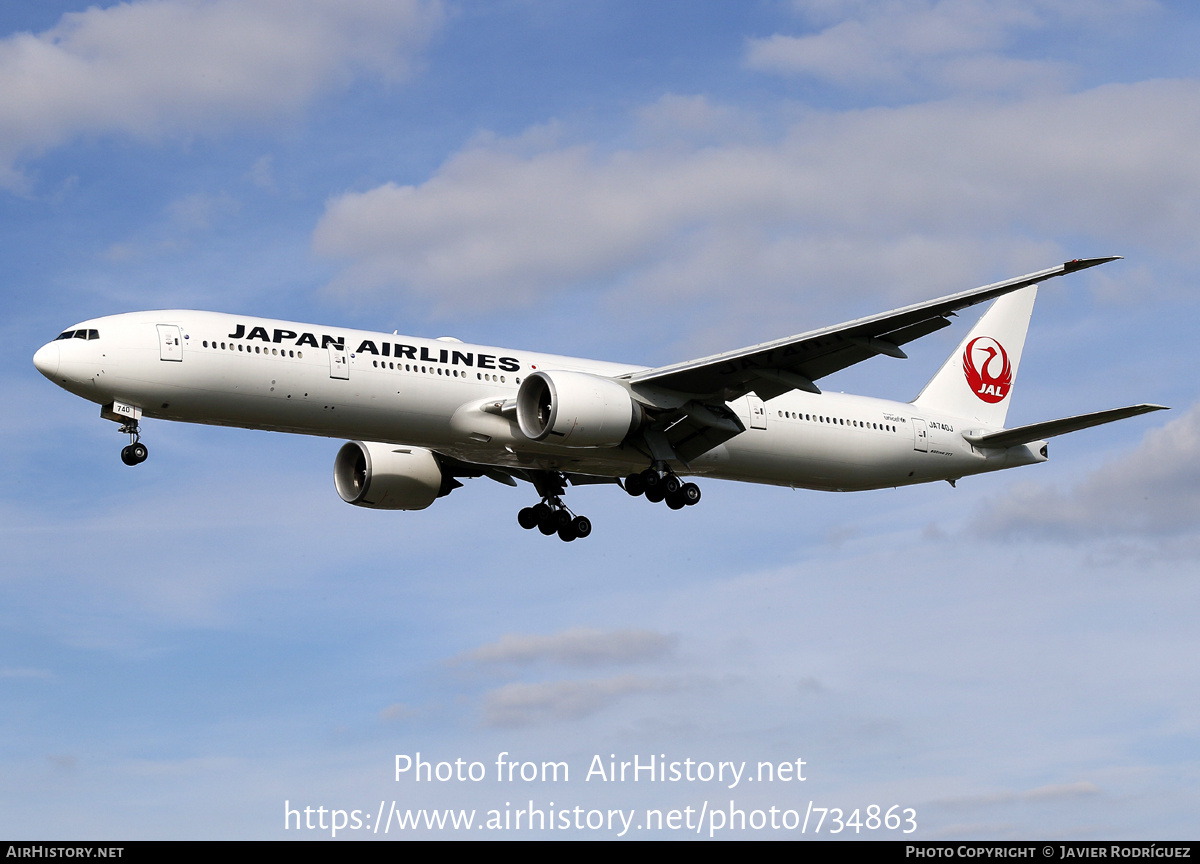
[(580, 646), (162, 67), (895, 198), (527, 704), (950, 44), (1153, 492)]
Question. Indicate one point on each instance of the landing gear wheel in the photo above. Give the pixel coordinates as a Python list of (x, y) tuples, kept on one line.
[(675, 500), (671, 484), (654, 494), (691, 493), (547, 522), (651, 479), (551, 516), (135, 453), (635, 484)]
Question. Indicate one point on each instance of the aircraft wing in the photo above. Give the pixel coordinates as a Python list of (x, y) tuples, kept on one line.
[(1038, 431), (795, 362)]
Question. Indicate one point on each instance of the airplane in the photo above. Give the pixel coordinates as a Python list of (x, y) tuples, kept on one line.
[(420, 414)]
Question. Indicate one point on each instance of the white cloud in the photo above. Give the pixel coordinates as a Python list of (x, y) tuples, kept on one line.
[(395, 712), (949, 44), (12, 672), (197, 212), (165, 67), (895, 197), (525, 704), (262, 173), (1153, 492), (579, 646), (1042, 793)]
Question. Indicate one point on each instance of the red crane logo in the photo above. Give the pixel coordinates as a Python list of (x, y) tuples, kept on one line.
[(980, 358)]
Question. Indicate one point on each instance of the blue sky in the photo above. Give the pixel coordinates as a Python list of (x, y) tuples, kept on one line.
[(185, 646)]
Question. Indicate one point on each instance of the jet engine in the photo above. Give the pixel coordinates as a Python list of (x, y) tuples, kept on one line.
[(388, 476), (575, 409)]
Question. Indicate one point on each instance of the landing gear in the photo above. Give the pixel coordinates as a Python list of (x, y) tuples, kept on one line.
[(135, 453), (551, 516), (662, 485)]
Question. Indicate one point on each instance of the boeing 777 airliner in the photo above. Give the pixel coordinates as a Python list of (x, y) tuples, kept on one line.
[(418, 414)]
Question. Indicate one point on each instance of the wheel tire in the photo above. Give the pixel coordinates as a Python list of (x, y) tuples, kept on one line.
[(635, 485), (562, 518), (566, 533), (691, 493), (582, 526), (676, 501), (140, 453), (527, 518), (127, 456), (546, 522), (651, 479), (672, 484), (654, 494)]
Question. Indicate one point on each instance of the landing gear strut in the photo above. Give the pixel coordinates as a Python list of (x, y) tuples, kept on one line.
[(136, 452), (662, 485)]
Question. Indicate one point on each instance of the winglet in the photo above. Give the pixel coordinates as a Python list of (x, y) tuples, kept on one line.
[(1084, 263)]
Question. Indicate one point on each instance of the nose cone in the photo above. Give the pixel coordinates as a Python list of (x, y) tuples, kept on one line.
[(46, 359)]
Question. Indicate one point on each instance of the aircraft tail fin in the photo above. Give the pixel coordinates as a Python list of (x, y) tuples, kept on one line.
[(976, 381)]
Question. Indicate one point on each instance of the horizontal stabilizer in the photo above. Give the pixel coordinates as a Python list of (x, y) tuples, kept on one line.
[(1038, 431)]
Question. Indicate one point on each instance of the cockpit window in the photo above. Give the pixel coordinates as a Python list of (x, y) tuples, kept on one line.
[(79, 334), (93, 334), (66, 335)]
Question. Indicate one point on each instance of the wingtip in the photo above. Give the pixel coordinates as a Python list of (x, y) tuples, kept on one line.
[(1084, 263)]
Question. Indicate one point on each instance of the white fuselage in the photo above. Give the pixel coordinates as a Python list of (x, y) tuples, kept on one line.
[(234, 370)]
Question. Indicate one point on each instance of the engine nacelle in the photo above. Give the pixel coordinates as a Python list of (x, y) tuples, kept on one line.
[(575, 409), (387, 476)]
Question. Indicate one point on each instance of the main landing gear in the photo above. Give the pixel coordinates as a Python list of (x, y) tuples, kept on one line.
[(659, 485), (551, 516), (136, 452)]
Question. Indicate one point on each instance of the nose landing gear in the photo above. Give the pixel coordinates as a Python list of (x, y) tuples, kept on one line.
[(663, 485), (135, 453)]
